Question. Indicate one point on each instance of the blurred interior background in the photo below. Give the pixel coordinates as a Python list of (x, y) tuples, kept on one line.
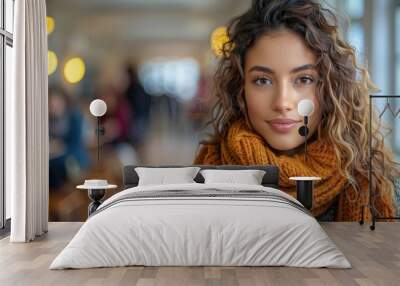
[(152, 62)]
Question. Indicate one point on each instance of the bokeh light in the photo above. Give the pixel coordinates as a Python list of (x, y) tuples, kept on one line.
[(74, 70), (50, 24), (52, 62)]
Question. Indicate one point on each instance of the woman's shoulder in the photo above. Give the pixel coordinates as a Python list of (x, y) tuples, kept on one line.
[(208, 154), (241, 131)]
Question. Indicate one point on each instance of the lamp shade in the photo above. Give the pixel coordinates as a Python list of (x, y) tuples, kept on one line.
[(98, 107), (305, 107)]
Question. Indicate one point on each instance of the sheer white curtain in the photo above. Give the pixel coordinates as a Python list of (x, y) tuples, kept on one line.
[(27, 124)]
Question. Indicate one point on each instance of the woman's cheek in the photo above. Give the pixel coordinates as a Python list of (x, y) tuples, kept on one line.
[(256, 104)]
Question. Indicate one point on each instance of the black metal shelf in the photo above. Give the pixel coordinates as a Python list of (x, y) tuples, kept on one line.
[(370, 205)]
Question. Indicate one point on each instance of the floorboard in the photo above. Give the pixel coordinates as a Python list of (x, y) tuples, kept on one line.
[(374, 255)]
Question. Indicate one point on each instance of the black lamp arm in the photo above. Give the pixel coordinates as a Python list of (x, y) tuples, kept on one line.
[(100, 130), (303, 131)]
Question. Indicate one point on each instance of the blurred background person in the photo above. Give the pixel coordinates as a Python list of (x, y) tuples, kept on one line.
[(118, 118), (68, 155), (140, 103), (119, 125), (69, 159)]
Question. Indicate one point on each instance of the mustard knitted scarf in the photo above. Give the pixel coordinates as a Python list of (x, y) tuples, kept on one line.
[(242, 146)]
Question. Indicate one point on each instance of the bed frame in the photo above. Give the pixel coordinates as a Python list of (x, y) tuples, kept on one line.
[(270, 179)]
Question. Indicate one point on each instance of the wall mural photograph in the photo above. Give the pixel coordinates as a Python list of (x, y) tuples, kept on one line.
[(215, 91), (199, 142)]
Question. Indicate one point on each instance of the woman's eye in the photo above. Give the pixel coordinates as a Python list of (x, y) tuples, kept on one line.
[(262, 81), (304, 80)]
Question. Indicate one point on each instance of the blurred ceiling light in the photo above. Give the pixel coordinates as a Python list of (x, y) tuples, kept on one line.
[(218, 38), (52, 62), (50, 24), (74, 70)]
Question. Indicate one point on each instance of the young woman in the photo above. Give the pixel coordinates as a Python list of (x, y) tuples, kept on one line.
[(280, 52)]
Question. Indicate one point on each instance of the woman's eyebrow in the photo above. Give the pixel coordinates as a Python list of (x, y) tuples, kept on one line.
[(303, 67), (261, 69), (269, 70)]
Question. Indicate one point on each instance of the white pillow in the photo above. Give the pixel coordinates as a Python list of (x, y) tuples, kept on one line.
[(249, 177), (162, 176)]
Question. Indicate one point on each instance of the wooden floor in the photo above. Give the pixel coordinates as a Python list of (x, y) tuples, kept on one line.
[(374, 255)]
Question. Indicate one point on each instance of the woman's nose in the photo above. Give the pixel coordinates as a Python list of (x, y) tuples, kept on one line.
[(284, 99)]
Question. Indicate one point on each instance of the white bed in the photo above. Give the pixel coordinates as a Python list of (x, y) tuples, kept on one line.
[(238, 229)]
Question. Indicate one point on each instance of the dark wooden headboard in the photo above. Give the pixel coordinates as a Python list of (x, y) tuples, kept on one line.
[(270, 179)]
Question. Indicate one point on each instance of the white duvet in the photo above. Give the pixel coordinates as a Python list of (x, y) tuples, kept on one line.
[(185, 231)]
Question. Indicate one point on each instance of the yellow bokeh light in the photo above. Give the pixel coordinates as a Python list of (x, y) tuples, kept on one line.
[(74, 70), (51, 62), (50, 24), (218, 38)]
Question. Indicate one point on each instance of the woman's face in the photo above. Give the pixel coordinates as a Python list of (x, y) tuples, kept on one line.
[(279, 72)]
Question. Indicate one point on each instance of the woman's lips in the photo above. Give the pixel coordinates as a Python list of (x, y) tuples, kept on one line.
[(282, 127)]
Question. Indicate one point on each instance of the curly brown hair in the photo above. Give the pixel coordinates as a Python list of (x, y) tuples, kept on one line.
[(343, 90)]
